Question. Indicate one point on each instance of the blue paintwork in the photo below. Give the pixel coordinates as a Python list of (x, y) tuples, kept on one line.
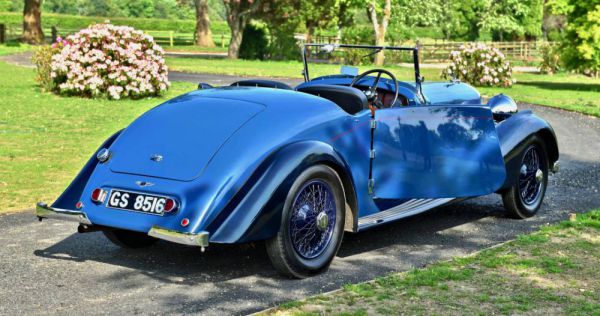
[(231, 154), (436, 152)]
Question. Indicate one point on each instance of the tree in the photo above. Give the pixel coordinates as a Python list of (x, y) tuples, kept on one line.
[(32, 22), (238, 14), (203, 33), (379, 15), (581, 44), (504, 17), (402, 16)]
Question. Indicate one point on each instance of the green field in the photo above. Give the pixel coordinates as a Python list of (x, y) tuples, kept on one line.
[(566, 91), (45, 139), (550, 272)]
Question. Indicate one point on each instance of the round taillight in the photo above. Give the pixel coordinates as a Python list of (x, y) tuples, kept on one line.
[(79, 205), (98, 195), (170, 205)]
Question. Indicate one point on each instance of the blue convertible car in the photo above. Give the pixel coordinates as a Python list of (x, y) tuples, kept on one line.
[(296, 167)]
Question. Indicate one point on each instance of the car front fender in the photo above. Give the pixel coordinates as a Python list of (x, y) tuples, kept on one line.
[(513, 134)]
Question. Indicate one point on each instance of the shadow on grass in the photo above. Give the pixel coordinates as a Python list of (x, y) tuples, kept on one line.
[(567, 86)]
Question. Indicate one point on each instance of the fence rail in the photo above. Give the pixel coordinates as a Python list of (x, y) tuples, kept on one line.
[(429, 52), (439, 51), (163, 38)]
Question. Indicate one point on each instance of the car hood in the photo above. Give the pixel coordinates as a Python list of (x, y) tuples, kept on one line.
[(178, 139)]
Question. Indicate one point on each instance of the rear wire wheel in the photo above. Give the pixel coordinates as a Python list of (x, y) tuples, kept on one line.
[(312, 224)]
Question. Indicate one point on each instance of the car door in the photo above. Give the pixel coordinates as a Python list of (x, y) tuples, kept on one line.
[(441, 151)]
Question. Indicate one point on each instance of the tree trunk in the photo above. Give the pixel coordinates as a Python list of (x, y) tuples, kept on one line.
[(237, 24), (380, 28), (32, 22), (203, 33)]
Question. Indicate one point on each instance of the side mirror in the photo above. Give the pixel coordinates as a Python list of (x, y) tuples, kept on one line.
[(204, 86)]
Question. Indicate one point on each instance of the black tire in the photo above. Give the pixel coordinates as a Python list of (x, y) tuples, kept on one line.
[(284, 256), (129, 239), (515, 204)]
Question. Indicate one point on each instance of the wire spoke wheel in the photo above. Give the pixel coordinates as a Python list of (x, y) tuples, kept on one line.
[(524, 197), (530, 177), (313, 218)]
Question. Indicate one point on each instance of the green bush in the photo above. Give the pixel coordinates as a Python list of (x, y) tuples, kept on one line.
[(254, 43), (42, 58), (581, 44), (550, 63), (361, 35), (74, 23)]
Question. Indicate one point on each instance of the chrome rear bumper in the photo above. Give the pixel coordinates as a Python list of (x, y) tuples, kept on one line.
[(42, 210), (199, 240)]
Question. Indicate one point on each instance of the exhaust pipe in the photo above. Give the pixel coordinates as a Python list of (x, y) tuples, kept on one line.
[(83, 228)]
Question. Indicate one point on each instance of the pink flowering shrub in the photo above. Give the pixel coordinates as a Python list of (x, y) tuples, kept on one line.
[(479, 65), (107, 60)]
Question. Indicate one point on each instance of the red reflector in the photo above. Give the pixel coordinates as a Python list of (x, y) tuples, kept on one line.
[(79, 205), (98, 195), (185, 222), (170, 205)]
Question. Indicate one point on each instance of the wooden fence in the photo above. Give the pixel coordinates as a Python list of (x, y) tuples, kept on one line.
[(163, 38), (439, 51)]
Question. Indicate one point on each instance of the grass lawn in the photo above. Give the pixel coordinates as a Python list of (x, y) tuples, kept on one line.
[(566, 91), (46, 139), (194, 49), (14, 48), (550, 272)]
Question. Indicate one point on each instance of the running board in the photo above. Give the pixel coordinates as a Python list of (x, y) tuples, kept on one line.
[(408, 208)]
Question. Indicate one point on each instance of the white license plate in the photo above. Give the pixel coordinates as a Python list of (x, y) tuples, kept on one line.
[(138, 202)]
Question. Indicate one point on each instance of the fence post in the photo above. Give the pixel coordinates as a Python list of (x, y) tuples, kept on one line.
[(54, 32), (171, 38), (2, 33), (222, 40)]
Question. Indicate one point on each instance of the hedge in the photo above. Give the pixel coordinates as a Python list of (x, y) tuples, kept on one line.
[(74, 22)]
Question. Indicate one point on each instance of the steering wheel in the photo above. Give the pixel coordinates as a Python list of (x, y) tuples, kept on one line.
[(372, 92)]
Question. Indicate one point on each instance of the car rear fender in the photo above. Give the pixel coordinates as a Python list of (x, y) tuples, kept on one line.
[(72, 193), (513, 134), (254, 213)]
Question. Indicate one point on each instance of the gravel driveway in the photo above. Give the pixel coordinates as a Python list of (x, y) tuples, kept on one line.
[(47, 268)]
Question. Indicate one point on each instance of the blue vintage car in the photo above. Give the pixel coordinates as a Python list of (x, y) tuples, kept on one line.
[(295, 168)]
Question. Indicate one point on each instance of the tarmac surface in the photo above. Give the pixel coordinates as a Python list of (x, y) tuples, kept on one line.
[(48, 268)]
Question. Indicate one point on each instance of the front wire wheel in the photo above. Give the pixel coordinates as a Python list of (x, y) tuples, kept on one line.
[(312, 224), (525, 197)]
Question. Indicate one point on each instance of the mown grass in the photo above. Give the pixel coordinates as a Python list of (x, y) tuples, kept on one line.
[(566, 91), (553, 271), (45, 139), (14, 48)]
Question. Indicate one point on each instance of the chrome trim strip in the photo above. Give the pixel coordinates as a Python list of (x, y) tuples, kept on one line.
[(408, 208), (42, 210), (200, 239)]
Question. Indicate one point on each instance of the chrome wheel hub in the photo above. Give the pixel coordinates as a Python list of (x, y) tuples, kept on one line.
[(322, 221)]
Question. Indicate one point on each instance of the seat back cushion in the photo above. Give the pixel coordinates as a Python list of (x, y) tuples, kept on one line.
[(349, 99), (261, 83)]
